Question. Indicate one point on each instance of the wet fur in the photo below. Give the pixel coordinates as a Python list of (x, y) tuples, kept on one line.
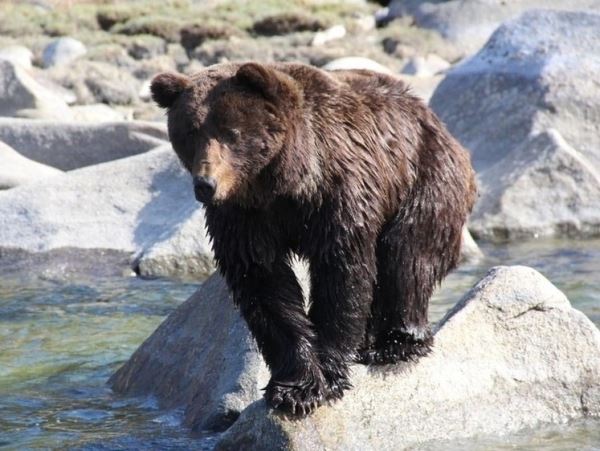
[(369, 187)]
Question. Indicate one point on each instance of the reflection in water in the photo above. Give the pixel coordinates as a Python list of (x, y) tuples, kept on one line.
[(60, 341)]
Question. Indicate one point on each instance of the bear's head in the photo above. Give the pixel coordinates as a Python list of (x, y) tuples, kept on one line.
[(227, 124)]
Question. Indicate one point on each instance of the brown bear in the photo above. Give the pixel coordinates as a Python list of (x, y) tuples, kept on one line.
[(345, 169)]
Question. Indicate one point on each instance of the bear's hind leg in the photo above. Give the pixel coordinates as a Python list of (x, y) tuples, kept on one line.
[(415, 251), (341, 297)]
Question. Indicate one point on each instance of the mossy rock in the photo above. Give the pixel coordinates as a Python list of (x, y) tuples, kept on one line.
[(163, 27), (286, 23), (107, 18), (196, 34)]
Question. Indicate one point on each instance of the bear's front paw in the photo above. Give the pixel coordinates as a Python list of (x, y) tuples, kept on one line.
[(300, 397), (336, 385), (396, 346)]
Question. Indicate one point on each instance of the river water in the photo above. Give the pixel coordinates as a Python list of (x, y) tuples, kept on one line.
[(60, 340)]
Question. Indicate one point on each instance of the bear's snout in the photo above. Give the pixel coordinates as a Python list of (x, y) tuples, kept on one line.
[(204, 188)]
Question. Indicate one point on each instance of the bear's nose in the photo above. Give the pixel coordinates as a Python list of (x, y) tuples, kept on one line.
[(204, 188)]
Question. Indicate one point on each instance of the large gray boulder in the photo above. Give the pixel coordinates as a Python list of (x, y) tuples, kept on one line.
[(511, 354), (469, 23), (16, 170), (142, 206), (70, 146), (22, 96), (212, 372), (528, 108)]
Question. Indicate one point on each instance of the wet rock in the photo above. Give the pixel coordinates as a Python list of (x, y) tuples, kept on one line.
[(530, 96), (286, 23), (17, 54), (71, 146), (64, 264), (23, 96), (426, 66), (129, 206), (512, 354), (62, 51), (331, 34), (213, 372), (469, 23), (16, 170)]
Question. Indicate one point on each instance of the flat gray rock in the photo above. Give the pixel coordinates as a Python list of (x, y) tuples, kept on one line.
[(535, 77), (512, 354), (142, 206), (469, 23), (68, 146), (17, 170)]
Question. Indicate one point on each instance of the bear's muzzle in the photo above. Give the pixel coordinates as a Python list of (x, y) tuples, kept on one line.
[(204, 188)]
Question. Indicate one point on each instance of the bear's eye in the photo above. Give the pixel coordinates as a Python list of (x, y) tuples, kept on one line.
[(232, 134)]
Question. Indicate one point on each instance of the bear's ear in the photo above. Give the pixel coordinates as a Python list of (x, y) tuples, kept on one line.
[(165, 88), (271, 84)]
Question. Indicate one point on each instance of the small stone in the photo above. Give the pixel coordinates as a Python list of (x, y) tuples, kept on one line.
[(331, 34), (62, 51), (427, 66), (146, 46), (356, 62)]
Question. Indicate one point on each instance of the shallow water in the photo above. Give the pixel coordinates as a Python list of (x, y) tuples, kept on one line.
[(60, 340)]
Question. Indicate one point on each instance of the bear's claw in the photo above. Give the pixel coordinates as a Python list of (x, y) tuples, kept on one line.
[(299, 399)]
